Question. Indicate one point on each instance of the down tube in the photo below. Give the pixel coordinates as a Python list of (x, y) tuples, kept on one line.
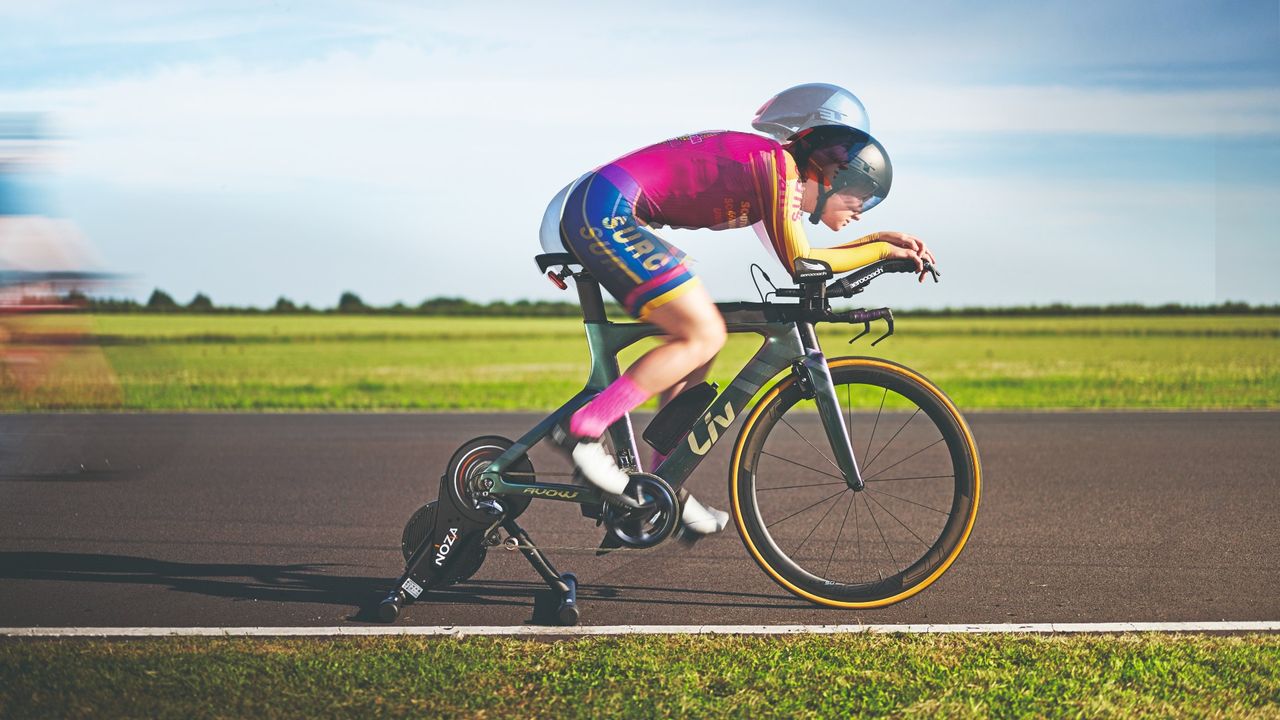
[(780, 349)]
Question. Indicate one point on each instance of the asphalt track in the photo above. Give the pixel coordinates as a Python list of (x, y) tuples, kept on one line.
[(295, 520)]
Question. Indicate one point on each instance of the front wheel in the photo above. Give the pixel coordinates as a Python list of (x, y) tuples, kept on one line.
[(824, 542)]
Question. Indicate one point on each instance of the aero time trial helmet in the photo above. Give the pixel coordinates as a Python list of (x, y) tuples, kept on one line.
[(809, 105), (845, 160)]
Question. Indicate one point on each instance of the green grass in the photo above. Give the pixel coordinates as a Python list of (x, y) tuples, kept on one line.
[(944, 676), (158, 362)]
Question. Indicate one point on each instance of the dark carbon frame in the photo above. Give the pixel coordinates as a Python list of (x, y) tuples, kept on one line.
[(789, 343)]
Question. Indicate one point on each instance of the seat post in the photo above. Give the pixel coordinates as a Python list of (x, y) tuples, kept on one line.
[(590, 299)]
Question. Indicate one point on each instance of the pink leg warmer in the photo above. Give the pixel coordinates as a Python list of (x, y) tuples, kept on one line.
[(621, 397)]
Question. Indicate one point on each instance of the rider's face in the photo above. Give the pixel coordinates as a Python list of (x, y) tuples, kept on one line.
[(841, 209)]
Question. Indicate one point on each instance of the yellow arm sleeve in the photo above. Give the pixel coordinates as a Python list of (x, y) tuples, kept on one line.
[(846, 258)]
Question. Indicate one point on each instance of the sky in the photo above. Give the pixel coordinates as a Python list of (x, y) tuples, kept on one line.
[(1081, 152)]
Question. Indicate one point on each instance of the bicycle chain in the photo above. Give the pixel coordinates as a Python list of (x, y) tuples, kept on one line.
[(513, 544)]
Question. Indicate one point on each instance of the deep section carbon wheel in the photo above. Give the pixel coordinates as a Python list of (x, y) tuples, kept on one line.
[(820, 539)]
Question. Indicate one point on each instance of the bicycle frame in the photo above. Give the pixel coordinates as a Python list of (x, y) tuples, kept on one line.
[(788, 343)]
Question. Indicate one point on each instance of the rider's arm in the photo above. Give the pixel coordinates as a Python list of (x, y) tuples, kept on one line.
[(851, 255)]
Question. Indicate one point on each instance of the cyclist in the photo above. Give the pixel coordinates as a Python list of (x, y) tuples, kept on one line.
[(714, 180), (780, 117)]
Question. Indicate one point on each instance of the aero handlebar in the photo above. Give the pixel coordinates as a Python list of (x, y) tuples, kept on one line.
[(856, 281)]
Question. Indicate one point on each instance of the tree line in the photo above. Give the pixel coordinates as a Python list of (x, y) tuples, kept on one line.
[(350, 303)]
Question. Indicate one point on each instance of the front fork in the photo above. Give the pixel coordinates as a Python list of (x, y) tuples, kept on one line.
[(814, 377)]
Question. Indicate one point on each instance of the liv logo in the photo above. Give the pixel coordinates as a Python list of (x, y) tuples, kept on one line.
[(446, 546), (713, 430)]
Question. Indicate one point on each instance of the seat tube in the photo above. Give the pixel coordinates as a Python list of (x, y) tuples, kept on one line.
[(604, 341), (815, 366), (590, 299)]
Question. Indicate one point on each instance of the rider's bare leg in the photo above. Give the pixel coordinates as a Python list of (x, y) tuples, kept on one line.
[(695, 332)]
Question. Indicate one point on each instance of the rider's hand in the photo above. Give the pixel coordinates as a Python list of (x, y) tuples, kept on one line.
[(918, 257), (908, 242)]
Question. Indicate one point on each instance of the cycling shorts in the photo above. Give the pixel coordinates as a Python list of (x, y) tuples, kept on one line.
[(637, 267)]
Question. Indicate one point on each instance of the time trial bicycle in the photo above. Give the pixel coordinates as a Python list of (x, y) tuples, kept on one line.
[(854, 481)]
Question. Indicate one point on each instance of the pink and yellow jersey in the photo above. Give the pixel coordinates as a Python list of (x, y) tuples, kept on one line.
[(714, 180)]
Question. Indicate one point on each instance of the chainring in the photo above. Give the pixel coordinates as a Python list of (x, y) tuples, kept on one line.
[(653, 521)]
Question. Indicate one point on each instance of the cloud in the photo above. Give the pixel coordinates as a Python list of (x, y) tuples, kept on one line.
[(387, 115), (1082, 111)]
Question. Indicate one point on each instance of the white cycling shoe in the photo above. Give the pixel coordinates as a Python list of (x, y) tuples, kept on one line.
[(598, 467), (702, 519)]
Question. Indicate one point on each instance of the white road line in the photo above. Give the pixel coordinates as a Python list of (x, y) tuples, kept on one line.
[(537, 630)]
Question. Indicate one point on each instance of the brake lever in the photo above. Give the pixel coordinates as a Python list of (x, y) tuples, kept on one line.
[(881, 314), (888, 320), (866, 330), (929, 268)]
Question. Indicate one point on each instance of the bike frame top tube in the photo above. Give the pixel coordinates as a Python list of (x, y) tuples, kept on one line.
[(787, 343)]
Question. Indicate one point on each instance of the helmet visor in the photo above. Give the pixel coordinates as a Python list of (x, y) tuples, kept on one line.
[(865, 177), (862, 194)]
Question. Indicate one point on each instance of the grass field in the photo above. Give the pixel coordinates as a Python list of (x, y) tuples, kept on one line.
[(192, 362), (952, 676)]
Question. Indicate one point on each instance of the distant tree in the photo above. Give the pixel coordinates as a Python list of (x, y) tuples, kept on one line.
[(284, 305), (75, 297), (446, 306), (200, 303), (161, 301), (351, 303)]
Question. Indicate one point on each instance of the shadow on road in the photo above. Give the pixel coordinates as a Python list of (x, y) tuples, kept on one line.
[(305, 583), (546, 602), (310, 583)]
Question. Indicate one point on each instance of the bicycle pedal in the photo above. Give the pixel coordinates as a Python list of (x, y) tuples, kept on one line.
[(686, 538)]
